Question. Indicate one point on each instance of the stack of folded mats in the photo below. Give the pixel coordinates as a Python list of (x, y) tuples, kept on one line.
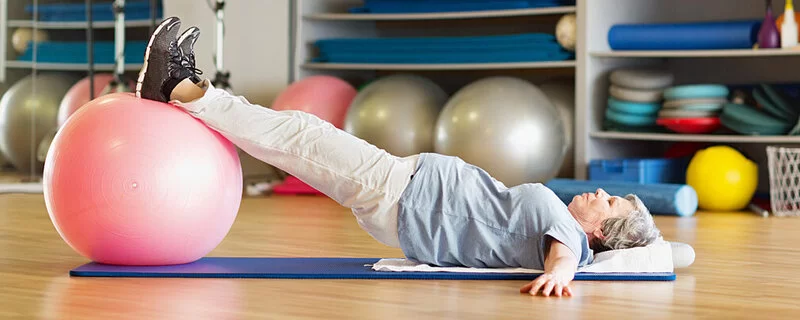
[(635, 97), (77, 52), (774, 113), (693, 108), (134, 10), (424, 6), (528, 47)]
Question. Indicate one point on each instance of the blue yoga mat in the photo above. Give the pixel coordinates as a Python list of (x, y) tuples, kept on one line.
[(317, 268), (684, 36), (661, 198), (76, 52), (453, 6)]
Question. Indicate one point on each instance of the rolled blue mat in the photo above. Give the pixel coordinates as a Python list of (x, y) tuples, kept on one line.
[(740, 34), (663, 199)]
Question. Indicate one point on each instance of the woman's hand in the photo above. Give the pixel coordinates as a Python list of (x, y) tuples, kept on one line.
[(554, 282), (559, 266)]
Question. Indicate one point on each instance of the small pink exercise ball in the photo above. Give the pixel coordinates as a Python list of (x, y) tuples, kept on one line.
[(326, 97), (130, 181)]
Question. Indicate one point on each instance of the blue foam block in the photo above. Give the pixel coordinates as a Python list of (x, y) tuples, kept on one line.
[(317, 268), (77, 52), (684, 36), (134, 10), (445, 57), (660, 198), (402, 6)]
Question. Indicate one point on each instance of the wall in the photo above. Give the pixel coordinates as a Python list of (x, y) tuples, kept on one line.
[(256, 43), (256, 53)]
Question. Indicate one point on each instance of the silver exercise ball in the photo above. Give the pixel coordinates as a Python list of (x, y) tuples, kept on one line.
[(505, 125), (397, 113), (20, 106), (562, 95)]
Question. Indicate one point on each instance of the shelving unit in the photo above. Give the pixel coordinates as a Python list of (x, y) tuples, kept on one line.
[(14, 16), (593, 62), (743, 66)]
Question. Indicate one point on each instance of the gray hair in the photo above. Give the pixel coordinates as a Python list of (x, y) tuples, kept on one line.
[(637, 229)]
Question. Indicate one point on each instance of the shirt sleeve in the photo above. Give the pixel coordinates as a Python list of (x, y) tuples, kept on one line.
[(572, 237)]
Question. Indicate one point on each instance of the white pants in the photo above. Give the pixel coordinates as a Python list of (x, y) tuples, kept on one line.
[(349, 170)]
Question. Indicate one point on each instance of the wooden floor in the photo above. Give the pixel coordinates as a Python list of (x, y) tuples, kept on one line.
[(746, 267)]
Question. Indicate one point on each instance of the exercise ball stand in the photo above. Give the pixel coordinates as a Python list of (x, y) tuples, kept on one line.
[(221, 77)]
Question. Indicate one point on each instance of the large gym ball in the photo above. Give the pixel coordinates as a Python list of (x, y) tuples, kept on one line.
[(78, 95), (20, 106), (397, 113), (505, 125), (725, 180), (562, 95), (326, 97), (132, 181)]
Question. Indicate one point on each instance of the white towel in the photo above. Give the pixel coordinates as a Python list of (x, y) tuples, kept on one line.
[(656, 257)]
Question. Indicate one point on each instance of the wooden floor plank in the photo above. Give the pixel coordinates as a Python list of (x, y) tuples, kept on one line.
[(746, 268)]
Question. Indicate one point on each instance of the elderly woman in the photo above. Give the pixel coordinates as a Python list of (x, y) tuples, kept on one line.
[(438, 209)]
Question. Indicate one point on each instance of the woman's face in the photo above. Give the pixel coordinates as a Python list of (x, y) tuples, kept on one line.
[(591, 209)]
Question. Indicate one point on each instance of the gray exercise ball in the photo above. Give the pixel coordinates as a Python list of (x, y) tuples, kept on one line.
[(562, 95), (397, 113), (26, 117), (506, 126)]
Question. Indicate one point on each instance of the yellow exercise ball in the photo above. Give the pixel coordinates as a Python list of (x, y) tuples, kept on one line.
[(724, 179)]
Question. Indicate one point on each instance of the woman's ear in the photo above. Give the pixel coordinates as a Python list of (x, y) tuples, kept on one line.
[(598, 233)]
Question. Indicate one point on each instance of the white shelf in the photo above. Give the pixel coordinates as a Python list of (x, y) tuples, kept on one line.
[(697, 53), (443, 66), (69, 66), (612, 135), (440, 15), (75, 24)]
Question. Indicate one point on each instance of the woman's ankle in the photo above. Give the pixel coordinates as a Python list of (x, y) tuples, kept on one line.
[(187, 91)]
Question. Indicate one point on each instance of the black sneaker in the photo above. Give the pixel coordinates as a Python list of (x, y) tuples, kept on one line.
[(163, 68), (186, 43)]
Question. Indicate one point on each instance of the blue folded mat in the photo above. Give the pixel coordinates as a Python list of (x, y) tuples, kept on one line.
[(319, 268), (77, 52), (740, 34), (390, 6), (134, 10), (520, 38), (446, 57)]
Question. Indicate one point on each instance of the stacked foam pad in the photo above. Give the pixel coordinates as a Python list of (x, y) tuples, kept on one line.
[(77, 52), (426, 6), (769, 111), (134, 10), (635, 97), (528, 47), (693, 108)]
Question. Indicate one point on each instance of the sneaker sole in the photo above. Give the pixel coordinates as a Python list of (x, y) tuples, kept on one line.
[(147, 55)]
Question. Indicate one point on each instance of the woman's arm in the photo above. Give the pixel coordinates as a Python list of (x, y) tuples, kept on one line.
[(560, 265)]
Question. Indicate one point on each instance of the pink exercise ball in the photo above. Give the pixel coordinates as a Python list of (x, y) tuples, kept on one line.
[(326, 97), (78, 95), (130, 181)]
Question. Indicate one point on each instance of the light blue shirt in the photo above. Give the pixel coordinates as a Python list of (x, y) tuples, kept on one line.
[(455, 214)]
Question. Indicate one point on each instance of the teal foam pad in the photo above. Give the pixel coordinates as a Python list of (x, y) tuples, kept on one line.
[(696, 91), (630, 119), (318, 268), (781, 102), (630, 107), (660, 198)]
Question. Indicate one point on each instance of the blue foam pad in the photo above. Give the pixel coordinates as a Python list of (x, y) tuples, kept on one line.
[(635, 108), (134, 10), (696, 91), (456, 42), (666, 199), (740, 34), (317, 268)]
